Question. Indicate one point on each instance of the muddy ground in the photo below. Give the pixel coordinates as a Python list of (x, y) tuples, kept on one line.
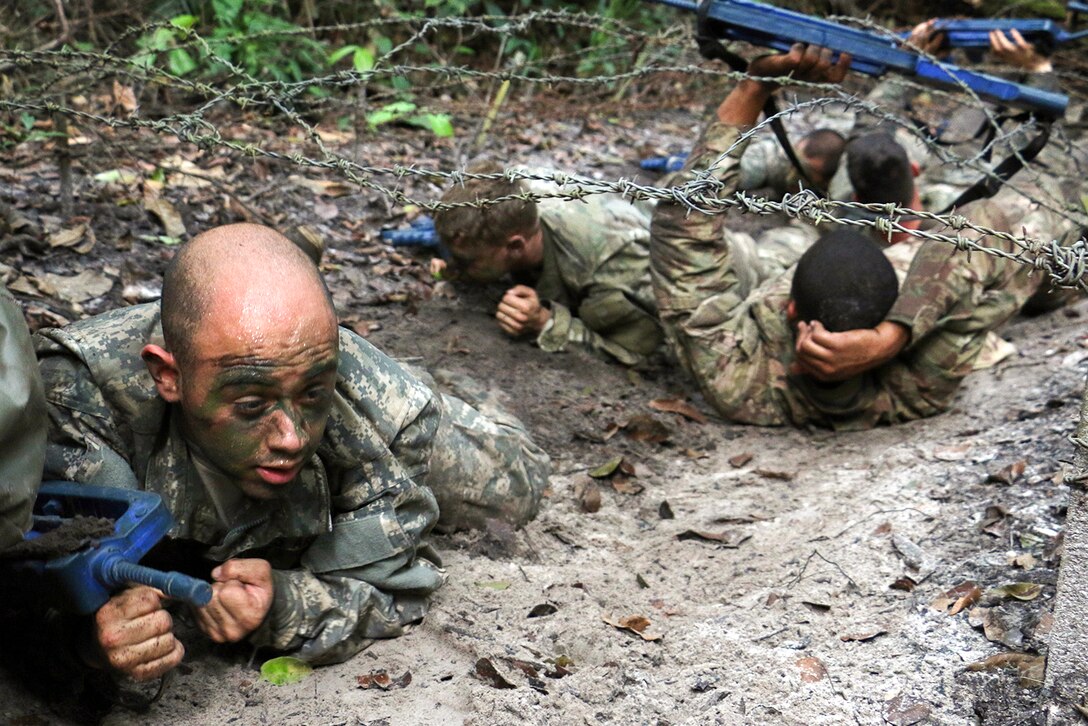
[(787, 577)]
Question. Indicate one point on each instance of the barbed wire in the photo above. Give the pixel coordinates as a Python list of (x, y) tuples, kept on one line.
[(58, 71)]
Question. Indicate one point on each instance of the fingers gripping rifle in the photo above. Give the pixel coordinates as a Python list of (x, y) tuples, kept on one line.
[(872, 54)]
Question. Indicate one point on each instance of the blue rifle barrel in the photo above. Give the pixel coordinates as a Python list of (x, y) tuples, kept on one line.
[(114, 572), (663, 163), (874, 55)]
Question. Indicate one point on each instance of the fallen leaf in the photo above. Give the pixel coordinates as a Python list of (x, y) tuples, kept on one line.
[(646, 428), (381, 679), (590, 499), (998, 625), (118, 176), (812, 670), (962, 596), (542, 610), (957, 452), (1026, 561), (124, 98), (775, 474), (993, 520), (900, 711), (68, 237), (817, 607), (905, 584), (1018, 590), (862, 637), (167, 214), (1009, 474), (641, 581), (674, 405), (637, 624), (79, 288), (664, 511), (1032, 668), (487, 672), (914, 557), (606, 469), (740, 460), (729, 540), (623, 485), (327, 211), (739, 519), (493, 584), (285, 670), (320, 186)]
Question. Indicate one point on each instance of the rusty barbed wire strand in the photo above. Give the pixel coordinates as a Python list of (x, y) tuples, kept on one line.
[(1065, 264)]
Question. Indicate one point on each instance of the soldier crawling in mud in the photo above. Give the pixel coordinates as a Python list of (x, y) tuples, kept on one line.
[(587, 262), (300, 464), (831, 342)]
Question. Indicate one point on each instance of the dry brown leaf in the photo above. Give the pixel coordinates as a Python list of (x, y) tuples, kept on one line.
[(740, 460), (124, 98), (590, 498), (68, 237), (623, 485), (739, 519), (812, 670), (382, 680), (637, 624), (862, 637), (1031, 667), (1026, 561), (646, 428), (729, 540), (321, 186), (1009, 474), (775, 474), (1016, 590), (675, 405), (901, 711), (79, 288), (962, 596), (487, 672), (167, 214)]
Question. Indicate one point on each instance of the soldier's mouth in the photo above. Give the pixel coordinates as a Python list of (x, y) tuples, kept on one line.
[(279, 474)]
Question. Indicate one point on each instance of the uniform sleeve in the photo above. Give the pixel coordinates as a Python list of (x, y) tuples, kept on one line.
[(22, 423), (608, 324), (372, 575)]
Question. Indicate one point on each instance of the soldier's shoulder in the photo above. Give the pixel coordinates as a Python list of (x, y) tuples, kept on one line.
[(374, 384)]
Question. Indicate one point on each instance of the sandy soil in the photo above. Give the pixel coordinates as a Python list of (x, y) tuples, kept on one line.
[(811, 602)]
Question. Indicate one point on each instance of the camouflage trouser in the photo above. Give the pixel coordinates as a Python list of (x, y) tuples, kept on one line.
[(484, 465)]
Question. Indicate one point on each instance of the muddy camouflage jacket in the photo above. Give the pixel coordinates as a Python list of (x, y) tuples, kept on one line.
[(765, 164), (596, 277), (345, 539), (22, 423), (733, 337)]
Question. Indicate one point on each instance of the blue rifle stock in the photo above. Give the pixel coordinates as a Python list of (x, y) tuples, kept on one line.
[(420, 232), (771, 27), (82, 581)]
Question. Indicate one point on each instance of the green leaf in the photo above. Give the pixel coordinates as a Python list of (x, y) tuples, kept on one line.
[(494, 584), (226, 11), (438, 123), (390, 112), (606, 469), (363, 60), (27, 120), (117, 176), (180, 62), (341, 53), (185, 22), (285, 670)]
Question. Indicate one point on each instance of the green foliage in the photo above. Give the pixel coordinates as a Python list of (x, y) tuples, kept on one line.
[(247, 34), (407, 112)]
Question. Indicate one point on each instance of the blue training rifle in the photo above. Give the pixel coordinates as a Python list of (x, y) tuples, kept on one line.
[(82, 581), (419, 232), (663, 163), (771, 27)]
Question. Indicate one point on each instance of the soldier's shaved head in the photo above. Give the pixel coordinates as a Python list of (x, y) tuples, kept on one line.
[(245, 272)]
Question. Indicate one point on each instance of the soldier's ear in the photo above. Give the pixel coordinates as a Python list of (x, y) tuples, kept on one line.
[(164, 369)]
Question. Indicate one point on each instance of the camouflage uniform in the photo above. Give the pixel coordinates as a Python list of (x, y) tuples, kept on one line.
[(765, 164), (735, 341), (346, 538), (596, 277), (22, 423)]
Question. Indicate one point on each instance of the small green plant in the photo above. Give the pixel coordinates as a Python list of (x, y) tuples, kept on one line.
[(408, 112)]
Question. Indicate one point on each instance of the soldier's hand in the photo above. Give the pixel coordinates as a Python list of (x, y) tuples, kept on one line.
[(1016, 51), (830, 356), (804, 62), (241, 597), (926, 38), (437, 267), (520, 311), (136, 634)]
